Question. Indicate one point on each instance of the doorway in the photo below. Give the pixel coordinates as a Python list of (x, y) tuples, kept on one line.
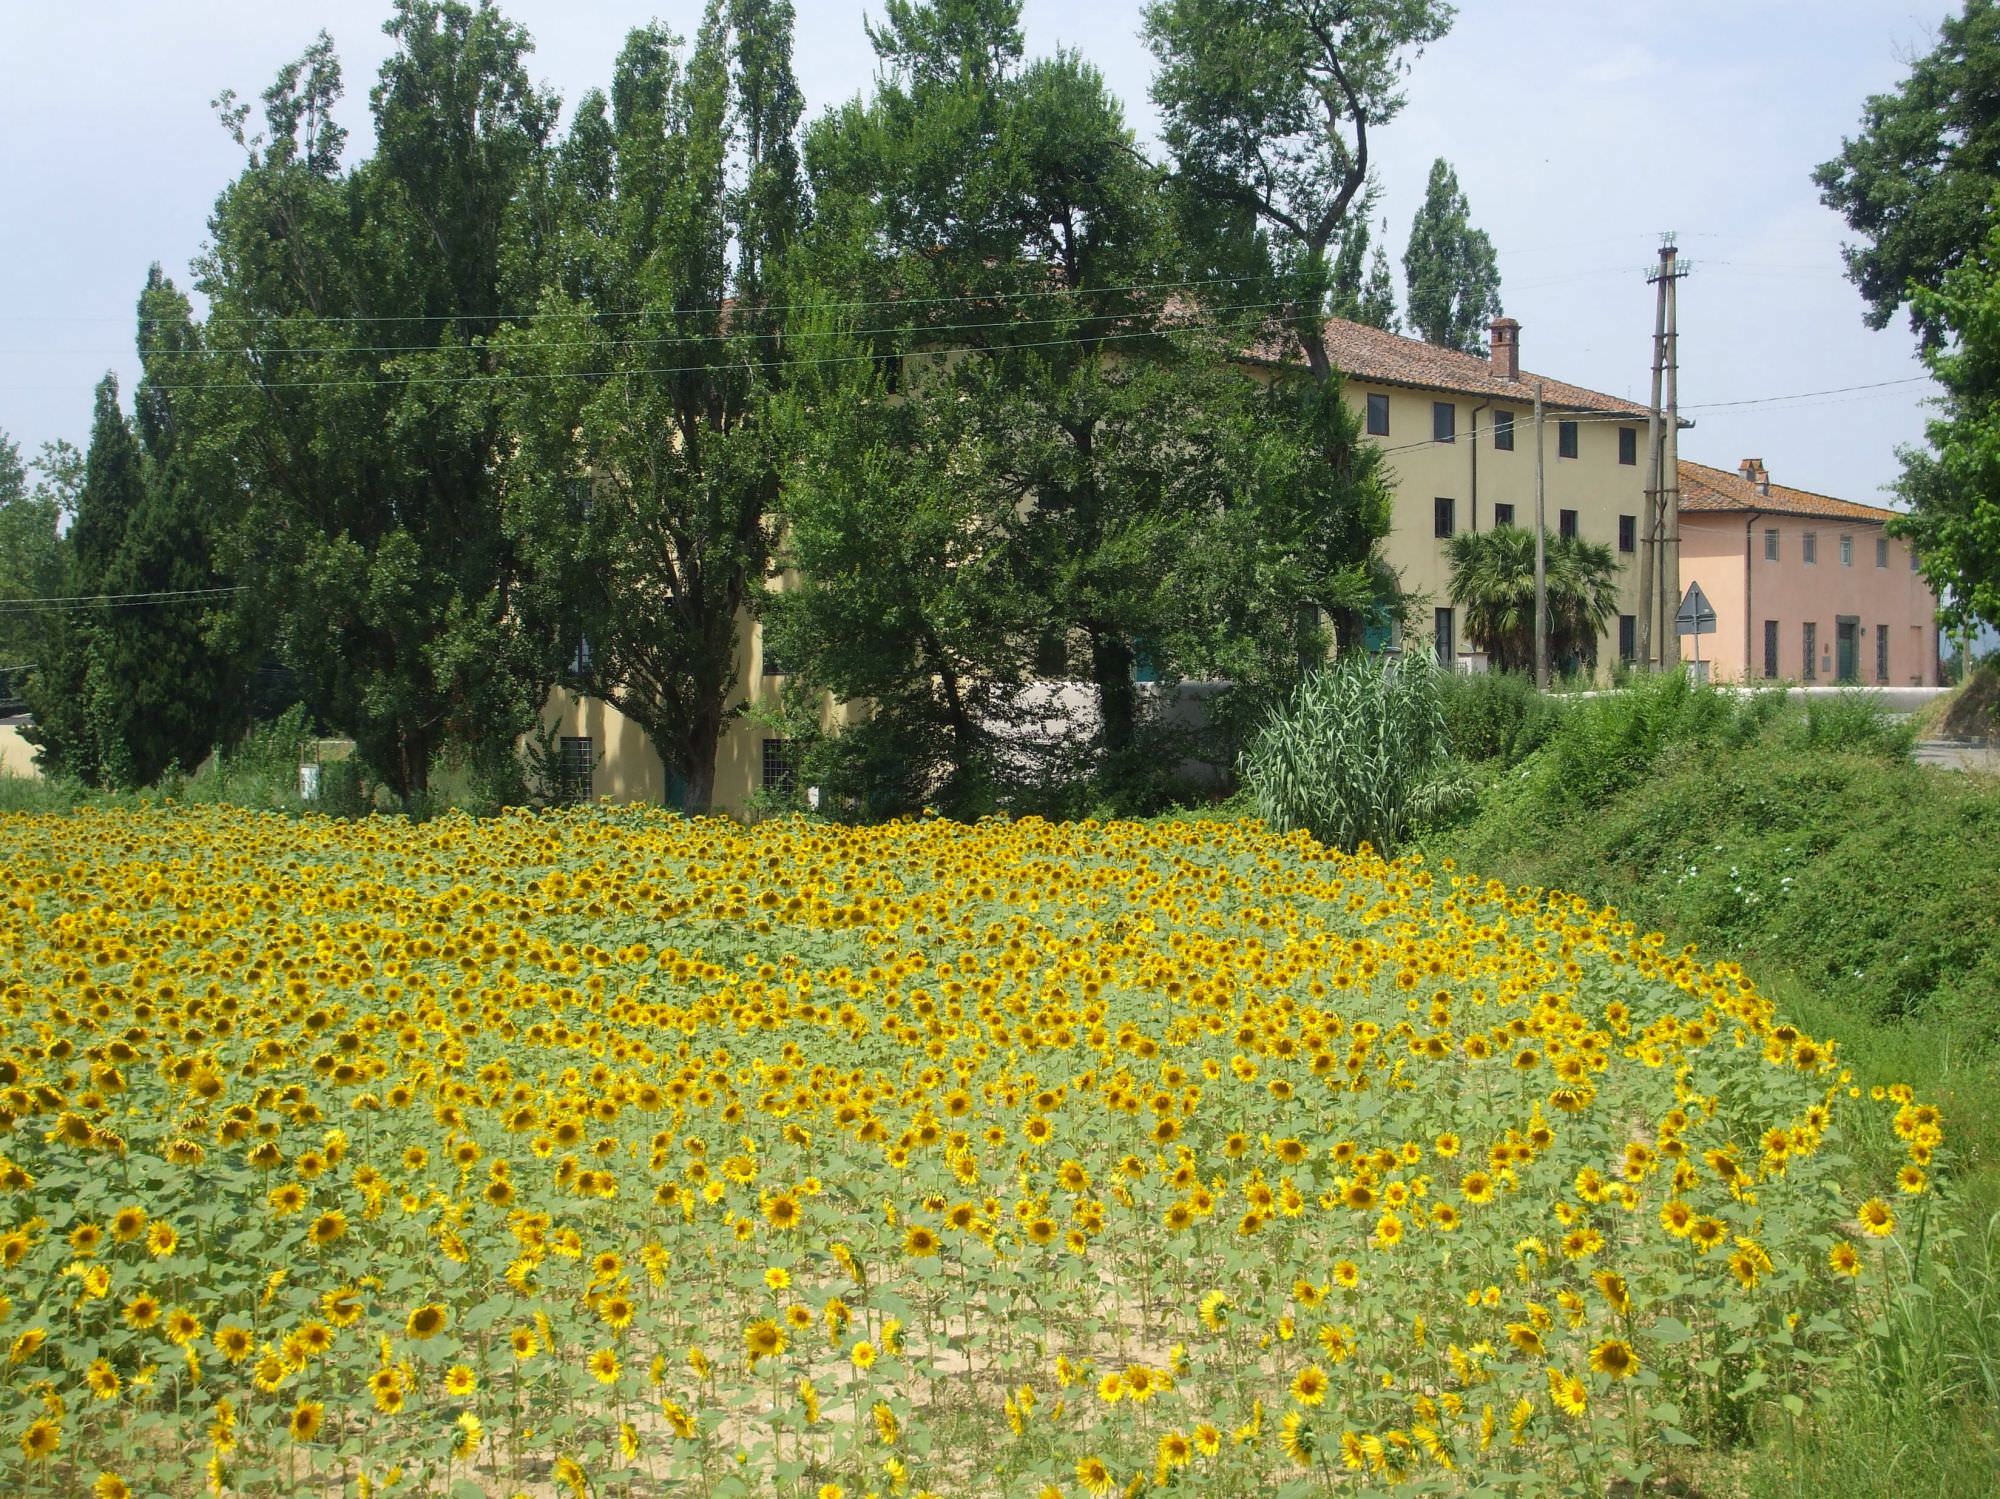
[(1847, 648)]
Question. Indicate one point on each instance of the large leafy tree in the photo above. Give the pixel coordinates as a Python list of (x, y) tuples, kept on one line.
[(1268, 105), (1493, 581), (1091, 441), (348, 393), (1452, 274), (641, 488), (1917, 184), (1953, 486)]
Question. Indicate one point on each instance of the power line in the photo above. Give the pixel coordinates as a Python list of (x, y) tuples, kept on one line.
[(503, 377), (981, 325), (1837, 390), (112, 600)]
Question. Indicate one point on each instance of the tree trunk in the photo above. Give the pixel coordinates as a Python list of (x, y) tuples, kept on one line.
[(698, 749), (1111, 670)]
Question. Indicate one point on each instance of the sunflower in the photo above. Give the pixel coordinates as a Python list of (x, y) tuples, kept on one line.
[(460, 1382), (763, 1339), (103, 1379), (328, 1228), (1615, 1357), (862, 1355), (617, 1312), (604, 1366), (128, 1223), (183, 1327), (41, 1440), (1844, 1259), (1568, 1395), (524, 1343), (1094, 1476), (234, 1343), (1310, 1384), (161, 1240), (110, 1486), (1295, 1436), (306, 1419), (427, 1321), (1876, 1218)]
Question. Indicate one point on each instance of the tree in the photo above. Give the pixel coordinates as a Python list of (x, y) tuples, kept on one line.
[(1917, 184), (1268, 105), (31, 555), (346, 401), (1362, 289), (1451, 272), (1953, 487), (72, 701), (1493, 580), (641, 488)]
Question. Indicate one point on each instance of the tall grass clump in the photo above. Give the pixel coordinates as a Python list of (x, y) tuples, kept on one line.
[(1359, 753)]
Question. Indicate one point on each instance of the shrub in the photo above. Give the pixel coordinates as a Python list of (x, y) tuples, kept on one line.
[(1497, 715), (1358, 754)]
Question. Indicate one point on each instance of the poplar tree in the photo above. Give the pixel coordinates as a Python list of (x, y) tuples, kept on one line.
[(1450, 270), (642, 484)]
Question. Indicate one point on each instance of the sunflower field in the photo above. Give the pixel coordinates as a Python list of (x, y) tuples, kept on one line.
[(607, 1152)]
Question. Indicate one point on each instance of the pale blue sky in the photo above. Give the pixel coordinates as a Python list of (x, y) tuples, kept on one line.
[(1579, 131)]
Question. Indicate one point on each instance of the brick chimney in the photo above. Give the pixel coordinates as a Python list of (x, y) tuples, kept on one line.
[(1506, 348), (1755, 474)]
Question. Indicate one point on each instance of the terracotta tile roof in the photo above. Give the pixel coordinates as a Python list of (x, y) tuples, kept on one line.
[(1705, 488), (1391, 359)]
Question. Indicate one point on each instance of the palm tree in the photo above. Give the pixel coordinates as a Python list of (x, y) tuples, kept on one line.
[(1493, 581)]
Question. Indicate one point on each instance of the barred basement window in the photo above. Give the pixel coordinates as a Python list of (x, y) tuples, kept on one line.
[(780, 772), (578, 767)]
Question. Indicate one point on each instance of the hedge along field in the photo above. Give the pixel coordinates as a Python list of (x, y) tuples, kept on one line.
[(596, 1152)]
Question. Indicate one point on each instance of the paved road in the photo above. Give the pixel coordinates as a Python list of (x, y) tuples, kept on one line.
[(1958, 754)]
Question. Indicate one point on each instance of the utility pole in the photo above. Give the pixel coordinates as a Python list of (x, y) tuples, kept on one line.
[(1660, 560), (1541, 559), (1649, 566)]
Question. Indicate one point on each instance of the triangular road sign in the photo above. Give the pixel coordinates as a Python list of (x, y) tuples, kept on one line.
[(1696, 616)]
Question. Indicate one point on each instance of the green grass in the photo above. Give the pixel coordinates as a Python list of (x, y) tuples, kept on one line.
[(1863, 894)]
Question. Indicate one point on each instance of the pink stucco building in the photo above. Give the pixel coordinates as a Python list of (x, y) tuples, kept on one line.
[(1806, 587)]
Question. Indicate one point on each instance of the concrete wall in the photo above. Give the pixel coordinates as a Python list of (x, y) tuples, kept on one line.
[(17, 756), (1725, 553)]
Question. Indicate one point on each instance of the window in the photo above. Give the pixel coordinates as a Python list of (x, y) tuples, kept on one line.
[(1847, 551), (1444, 422), (1628, 634), (1628, 446), (1052, 655), (1441, 628), (1444, 516), (1913, 559), (1566, 523), (579, 664), (1770, 543), (1770, 648), (773, 666), (1811, 544), (1378, 416), (1628, 533), (1503, 515), (1503, 431), (1881, 551), (1882, 653), (1565, 439), (780, 773), (576, 766), (1811, 673)]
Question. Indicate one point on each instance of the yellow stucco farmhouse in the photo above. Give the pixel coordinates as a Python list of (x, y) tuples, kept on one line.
[(1459, 439)]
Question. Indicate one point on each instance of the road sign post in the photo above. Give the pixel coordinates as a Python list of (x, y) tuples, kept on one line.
[(1696, 617)]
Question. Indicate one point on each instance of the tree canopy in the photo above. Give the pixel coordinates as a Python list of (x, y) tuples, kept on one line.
[(1493, 581), (1452, 274)]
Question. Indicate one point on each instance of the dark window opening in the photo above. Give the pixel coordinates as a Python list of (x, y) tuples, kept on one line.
[(577, 766), (1441, 627), (781, 771), (1566, 523), (1503, 431), (1628, 533), (1628, 446), (1052, 654), (1444, 422), (1565, 439), (1444, 516), (1503, 515), (773, 665), (1770, 648), (1378, 416), (1628, 636)]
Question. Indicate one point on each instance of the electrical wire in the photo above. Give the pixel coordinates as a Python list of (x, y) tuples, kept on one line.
[(114, 600)]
